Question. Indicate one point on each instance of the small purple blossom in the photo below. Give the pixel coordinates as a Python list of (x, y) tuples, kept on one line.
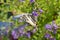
[(20, 31), (34, 13), (21, 28), (54, 25), (41, 10), (28, 34), (32, 1), (15, 34), (53, 22), (47, 35), (21, 34), (48, 27), (54, 31)]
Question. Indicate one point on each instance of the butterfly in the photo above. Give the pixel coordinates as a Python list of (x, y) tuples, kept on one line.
[(26, 17)]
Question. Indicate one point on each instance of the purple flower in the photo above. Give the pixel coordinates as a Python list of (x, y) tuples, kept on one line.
[(21, 31), (34, 13), (28, 34), (54, 25), (41, 10), (52, 39), (47, 35), (21, 34), (21, 28), (53, 22), (32, 1), (54, 31), (15, 34), (48, 27)]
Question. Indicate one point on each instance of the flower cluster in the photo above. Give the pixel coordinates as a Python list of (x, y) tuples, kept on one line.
[(49, 36), (52, 28), (18, 32)]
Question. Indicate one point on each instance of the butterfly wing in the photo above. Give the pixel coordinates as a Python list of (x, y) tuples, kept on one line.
[(29, 20)]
